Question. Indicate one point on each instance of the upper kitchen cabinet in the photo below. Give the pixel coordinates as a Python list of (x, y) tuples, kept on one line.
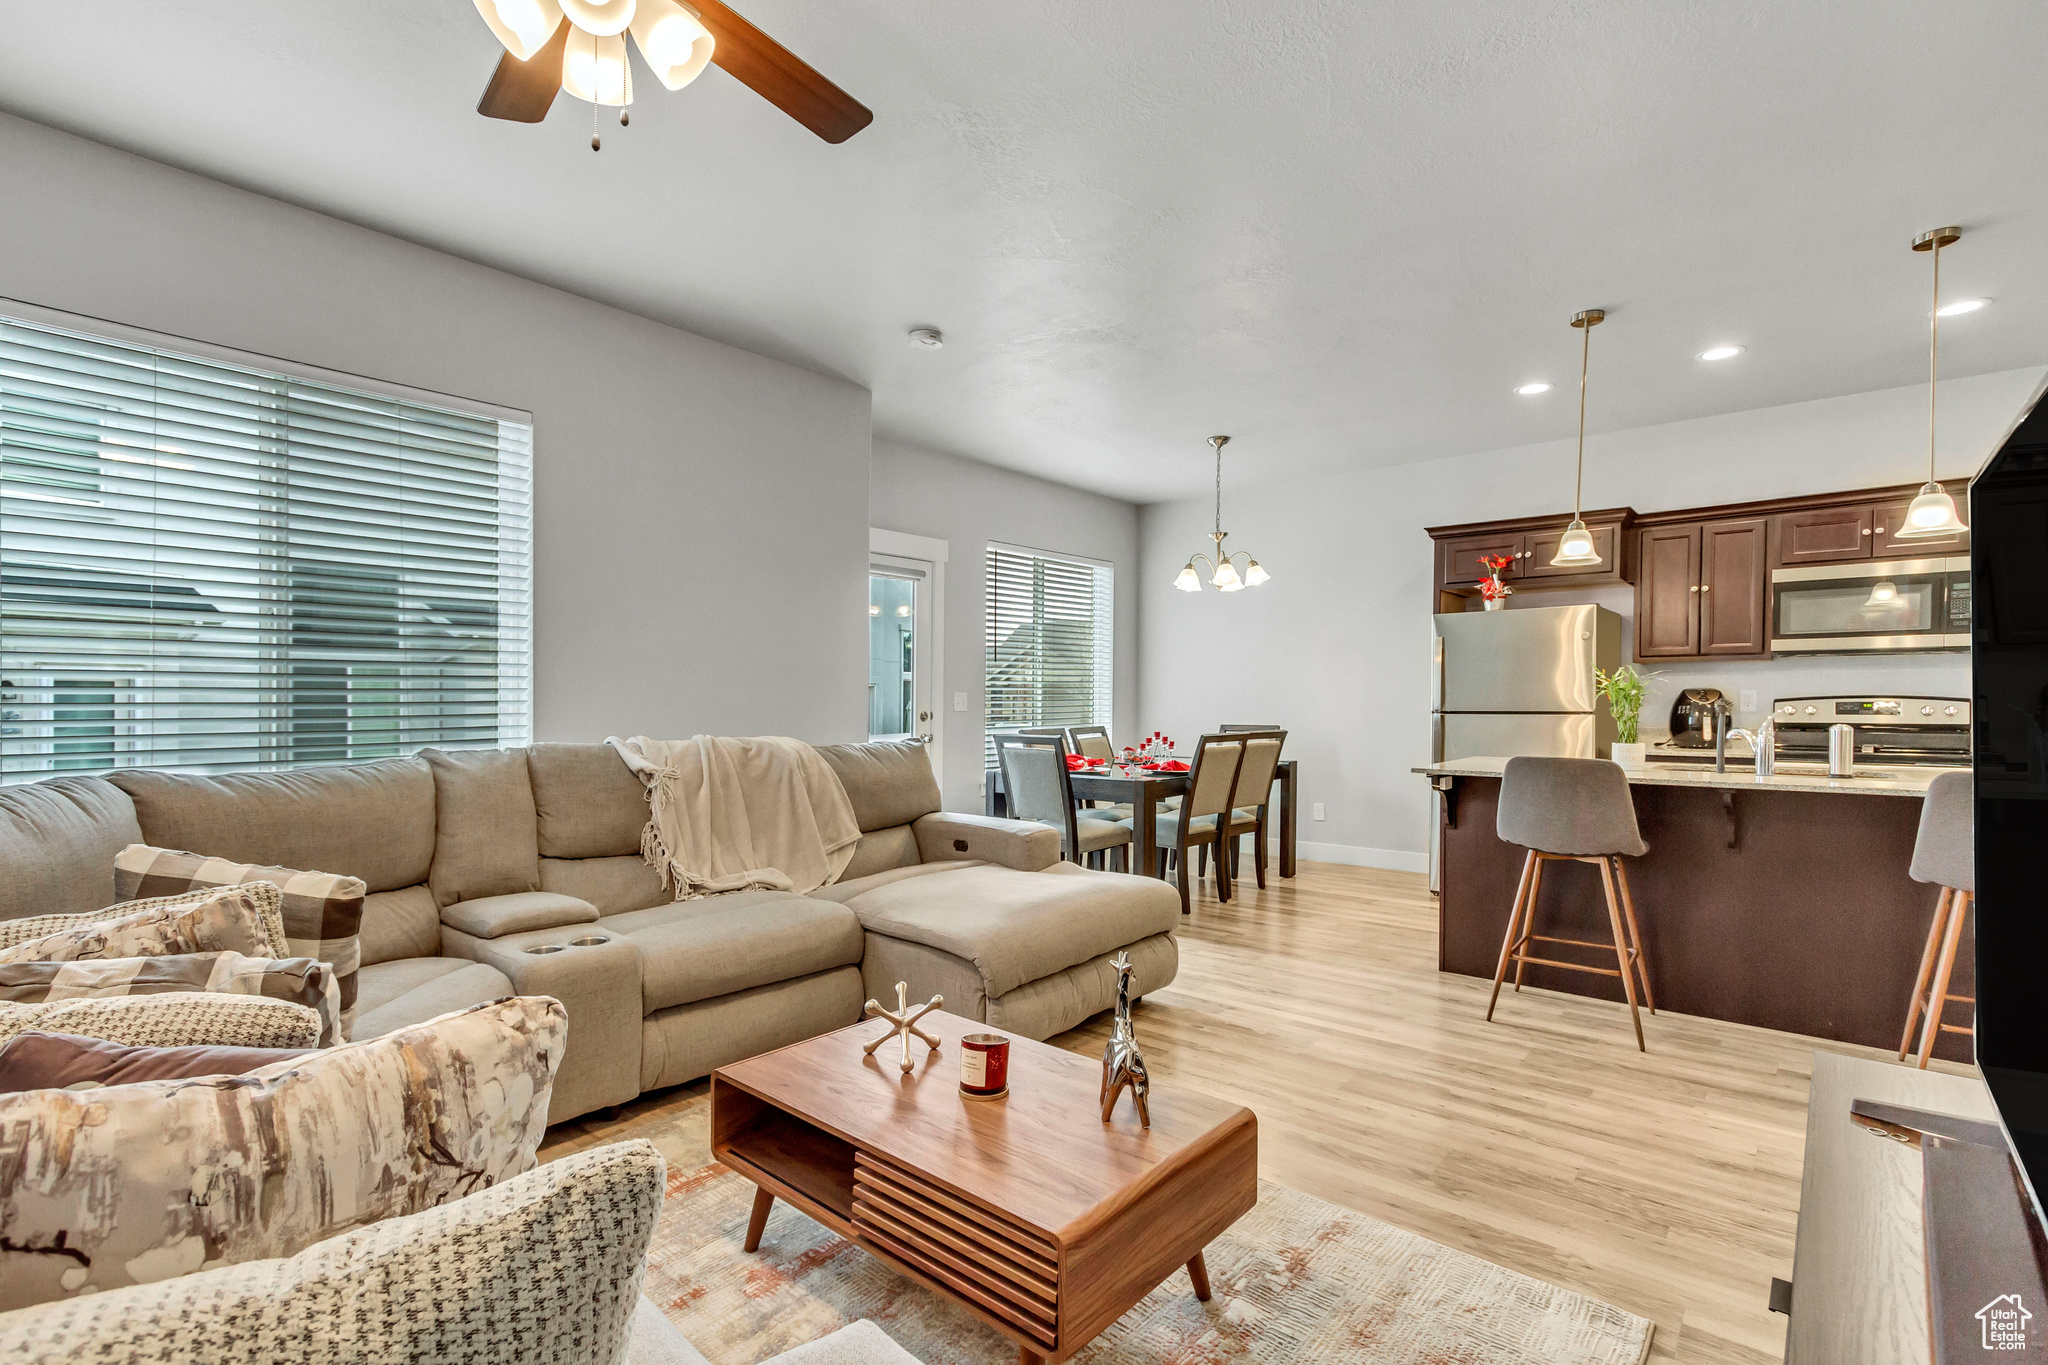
[(1818, 535), (1668, 592), (1531, 543), (1703, 589)]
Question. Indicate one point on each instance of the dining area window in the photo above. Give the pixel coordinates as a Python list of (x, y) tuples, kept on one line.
[(1051, 641)]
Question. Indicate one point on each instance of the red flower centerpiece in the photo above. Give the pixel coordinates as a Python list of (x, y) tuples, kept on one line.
[(1491, 588)]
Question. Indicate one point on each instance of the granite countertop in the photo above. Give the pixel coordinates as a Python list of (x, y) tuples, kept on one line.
[(1792, 777)]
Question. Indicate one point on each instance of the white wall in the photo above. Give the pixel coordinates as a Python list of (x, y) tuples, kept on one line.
[(1336, 646), (968, 505), (700, 524)]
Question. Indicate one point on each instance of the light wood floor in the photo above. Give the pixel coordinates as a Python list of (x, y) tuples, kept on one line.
[(1666, 1184)]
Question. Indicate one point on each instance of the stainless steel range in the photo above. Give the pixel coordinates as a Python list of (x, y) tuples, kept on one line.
[(1921, 731)]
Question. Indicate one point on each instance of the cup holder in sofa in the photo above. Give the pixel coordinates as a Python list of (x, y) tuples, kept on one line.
[(547, 948), (589, 941)]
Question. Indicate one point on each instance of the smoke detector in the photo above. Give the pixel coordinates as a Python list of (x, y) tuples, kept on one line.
[(927, 337)]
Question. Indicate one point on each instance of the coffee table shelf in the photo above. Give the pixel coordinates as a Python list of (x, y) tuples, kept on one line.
[(1031, 1213)]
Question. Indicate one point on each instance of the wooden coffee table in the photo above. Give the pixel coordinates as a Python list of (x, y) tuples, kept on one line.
[(1029, 1211)]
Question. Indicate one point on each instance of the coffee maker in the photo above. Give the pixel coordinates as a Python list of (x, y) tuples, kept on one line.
[(1692, 718)]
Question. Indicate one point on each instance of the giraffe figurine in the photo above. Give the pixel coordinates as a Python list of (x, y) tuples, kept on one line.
[(1122, 1063), (905, 1019)]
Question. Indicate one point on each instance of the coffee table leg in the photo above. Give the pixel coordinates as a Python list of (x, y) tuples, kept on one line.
[(1198, 1271), (763, 1201), (1027, 1356)]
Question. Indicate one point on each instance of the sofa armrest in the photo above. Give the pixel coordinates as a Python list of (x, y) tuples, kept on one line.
[(598, 984), (944, 837), (518, 913)]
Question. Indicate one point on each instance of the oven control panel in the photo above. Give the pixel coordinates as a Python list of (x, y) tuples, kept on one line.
[(1925, 712)]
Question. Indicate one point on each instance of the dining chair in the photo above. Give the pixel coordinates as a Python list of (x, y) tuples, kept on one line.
[(1173, 802), (1250, 802), (1092, 741), (1038, 787), (1197, 824)]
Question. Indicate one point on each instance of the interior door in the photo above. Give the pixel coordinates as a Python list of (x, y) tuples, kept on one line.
[(899, 648), (1668, 592), (1734, 588)]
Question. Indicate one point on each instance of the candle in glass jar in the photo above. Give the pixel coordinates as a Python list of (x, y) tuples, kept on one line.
[(984, 1066)]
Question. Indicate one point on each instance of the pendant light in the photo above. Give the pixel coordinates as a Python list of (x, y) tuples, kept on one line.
[(1575, 547), (1933, 513), (1225, 575)]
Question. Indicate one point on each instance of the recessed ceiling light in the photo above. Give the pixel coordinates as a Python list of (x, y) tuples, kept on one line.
[(1949, 310), (1530, 390), (927, 337), (1720, 352)]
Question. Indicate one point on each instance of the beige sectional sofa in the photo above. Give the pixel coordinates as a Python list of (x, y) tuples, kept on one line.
[(501, 871)]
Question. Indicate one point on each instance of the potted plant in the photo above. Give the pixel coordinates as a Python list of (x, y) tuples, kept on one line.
[(1491, 588), (1623, 689)]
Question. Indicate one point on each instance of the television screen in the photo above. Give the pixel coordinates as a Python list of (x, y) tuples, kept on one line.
[(2009, 679)]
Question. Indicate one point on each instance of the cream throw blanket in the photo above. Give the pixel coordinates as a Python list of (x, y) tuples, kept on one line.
[(736, 814)]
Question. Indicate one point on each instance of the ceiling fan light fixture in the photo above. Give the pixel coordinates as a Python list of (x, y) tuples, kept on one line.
[(594, 69), (523, 26), (673, 40), (599, 18)]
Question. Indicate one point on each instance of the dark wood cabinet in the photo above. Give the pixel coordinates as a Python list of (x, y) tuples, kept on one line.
[(1734, 593), (1542, 548), (1888, 517), (1818, 535), (1531, 542), (1458, 563), (1668, 592)]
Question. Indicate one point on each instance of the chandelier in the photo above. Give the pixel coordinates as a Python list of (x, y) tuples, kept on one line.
[(1225, 575)]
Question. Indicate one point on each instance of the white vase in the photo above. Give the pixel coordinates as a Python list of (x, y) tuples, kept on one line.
[(1628, 754), (1496, 603)]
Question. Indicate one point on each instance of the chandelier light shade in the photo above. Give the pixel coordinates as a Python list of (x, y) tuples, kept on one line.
[(1224, 575), (1575, 547), (1933, 513)]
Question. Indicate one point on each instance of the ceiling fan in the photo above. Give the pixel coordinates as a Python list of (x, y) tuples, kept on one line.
[(580, 46)]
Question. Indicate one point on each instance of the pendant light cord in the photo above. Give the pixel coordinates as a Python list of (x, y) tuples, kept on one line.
[(1933, 356), (1579, 480)]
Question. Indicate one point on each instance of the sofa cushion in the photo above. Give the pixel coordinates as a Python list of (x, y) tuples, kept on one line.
[(70, 1061), (183, 1019), (889, 782), (401, 923), (322, 912), (845, 890), (368, 820), (150, 1181), (497, 916), (589, 803), (57, 842), (486, 843), (301, 980), (613, 885), (230, 919), (882, 849), (1019, 926), (543, 1269), (694, 950), (396, 995)]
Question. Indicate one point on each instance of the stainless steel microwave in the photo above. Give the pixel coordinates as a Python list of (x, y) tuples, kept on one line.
[(1883, 607)]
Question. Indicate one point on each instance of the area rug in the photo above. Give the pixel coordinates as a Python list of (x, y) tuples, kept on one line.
[(1295, 1280)]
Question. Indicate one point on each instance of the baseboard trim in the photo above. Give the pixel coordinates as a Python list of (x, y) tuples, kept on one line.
[(1354, 855)]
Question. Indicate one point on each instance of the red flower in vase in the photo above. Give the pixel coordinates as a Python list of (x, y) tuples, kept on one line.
[(1491, 588)]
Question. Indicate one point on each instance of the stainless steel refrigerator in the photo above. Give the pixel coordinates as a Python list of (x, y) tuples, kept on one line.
[(1520, 681)]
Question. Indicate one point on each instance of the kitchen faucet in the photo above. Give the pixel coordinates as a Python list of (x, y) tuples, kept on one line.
[(1763, 742)]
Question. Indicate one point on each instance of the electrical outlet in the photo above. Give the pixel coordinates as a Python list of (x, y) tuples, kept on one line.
[(1748, 706), (959, 701), (1316, 811)]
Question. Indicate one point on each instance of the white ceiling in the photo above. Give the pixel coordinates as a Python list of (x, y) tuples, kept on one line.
[(1340, 230)]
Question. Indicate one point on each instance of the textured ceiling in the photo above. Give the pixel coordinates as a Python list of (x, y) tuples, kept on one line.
[(1340, 230)]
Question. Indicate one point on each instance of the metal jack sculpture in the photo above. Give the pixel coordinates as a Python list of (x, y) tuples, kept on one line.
[(905, 1019), (1122, 1063)]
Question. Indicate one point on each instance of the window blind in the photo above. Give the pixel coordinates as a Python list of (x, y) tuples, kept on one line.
[(211, 567), (1051, 642)]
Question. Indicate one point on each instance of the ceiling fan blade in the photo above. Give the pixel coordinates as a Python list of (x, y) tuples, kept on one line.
[(775, 73), (523, 91)]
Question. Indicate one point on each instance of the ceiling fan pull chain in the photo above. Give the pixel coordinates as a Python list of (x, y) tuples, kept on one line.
[(625, 83), (596, 142)]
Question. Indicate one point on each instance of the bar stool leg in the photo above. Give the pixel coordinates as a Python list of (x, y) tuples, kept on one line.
[(1628, 976), (1937, 999), (1529, 919), (1635, 933), (1507, 943), (1927, 958)]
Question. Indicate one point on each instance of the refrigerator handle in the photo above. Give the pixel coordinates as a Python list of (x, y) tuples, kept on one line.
[(1436, 737), (1436, 673)]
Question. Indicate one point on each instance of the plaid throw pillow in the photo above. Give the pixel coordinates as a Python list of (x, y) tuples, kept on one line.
[(323, 912), (300, 980), (226, 919)]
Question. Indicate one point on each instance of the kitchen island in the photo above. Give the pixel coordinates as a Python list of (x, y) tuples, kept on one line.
[(1781, 901)]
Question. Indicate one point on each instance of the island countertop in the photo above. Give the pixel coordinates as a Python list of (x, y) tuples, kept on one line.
[(1790, 777)]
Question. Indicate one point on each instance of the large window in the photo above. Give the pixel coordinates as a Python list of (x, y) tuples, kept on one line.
[(209, 565), (1051, 641)]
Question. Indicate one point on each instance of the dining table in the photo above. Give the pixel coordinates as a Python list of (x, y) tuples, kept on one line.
[(1146, 790)]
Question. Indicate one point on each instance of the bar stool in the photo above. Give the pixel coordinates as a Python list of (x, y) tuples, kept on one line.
[(1572, 810), (1944, 855)]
